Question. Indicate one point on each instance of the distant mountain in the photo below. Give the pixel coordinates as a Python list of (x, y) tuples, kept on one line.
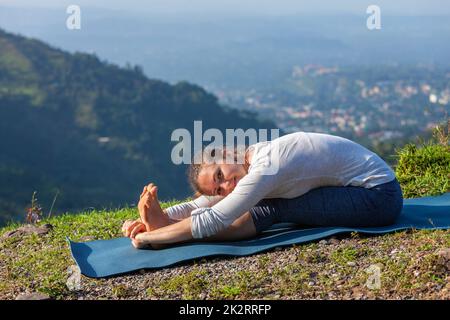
[(92, 130)]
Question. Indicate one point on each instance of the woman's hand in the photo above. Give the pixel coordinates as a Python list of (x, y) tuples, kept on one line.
[(139, 241), (131, 228)]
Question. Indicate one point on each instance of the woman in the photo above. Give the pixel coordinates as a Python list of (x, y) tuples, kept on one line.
[(321, 180)]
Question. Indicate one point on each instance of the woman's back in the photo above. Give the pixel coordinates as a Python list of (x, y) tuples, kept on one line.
[(308, 160)]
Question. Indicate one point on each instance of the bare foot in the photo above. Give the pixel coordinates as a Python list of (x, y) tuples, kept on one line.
[(149, 209)]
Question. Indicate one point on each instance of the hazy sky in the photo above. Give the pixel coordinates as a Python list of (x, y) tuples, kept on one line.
[(277, 7)]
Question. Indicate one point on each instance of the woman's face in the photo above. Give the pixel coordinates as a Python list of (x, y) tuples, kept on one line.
[(220, 179)]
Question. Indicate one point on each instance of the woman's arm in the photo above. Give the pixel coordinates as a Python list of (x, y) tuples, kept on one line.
[(174, 233), (183, 210), (241, 228), (248, 192)]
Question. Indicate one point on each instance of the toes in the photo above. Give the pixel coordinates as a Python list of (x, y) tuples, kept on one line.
[(154, 192), (151, 189), (148, 197), (149, 186)]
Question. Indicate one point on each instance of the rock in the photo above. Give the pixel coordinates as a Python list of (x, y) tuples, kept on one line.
[(334, 241), (33, 296), (323, 242), (87, 238), (357, 293), (444, 258), (351, 264), (29, 229), (393, 252)]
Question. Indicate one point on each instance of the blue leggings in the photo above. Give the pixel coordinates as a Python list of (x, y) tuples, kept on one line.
[(333, 207)]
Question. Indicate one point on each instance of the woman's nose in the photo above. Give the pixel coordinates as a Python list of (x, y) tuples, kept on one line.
[(227, 185)]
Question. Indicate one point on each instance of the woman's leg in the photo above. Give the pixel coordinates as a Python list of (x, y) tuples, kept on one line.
[(333, 206)]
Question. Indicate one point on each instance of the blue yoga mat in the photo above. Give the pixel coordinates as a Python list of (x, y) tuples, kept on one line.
[(103, 258)]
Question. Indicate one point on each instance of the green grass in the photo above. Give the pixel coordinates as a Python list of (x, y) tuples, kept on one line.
[(408, 260), (425, 169), (40, 263)]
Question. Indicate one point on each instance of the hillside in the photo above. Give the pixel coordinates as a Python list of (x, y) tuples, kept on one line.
[(414, 264), (90, 133)]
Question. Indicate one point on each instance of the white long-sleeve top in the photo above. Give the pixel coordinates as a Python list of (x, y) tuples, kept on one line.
[(306, 161)]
